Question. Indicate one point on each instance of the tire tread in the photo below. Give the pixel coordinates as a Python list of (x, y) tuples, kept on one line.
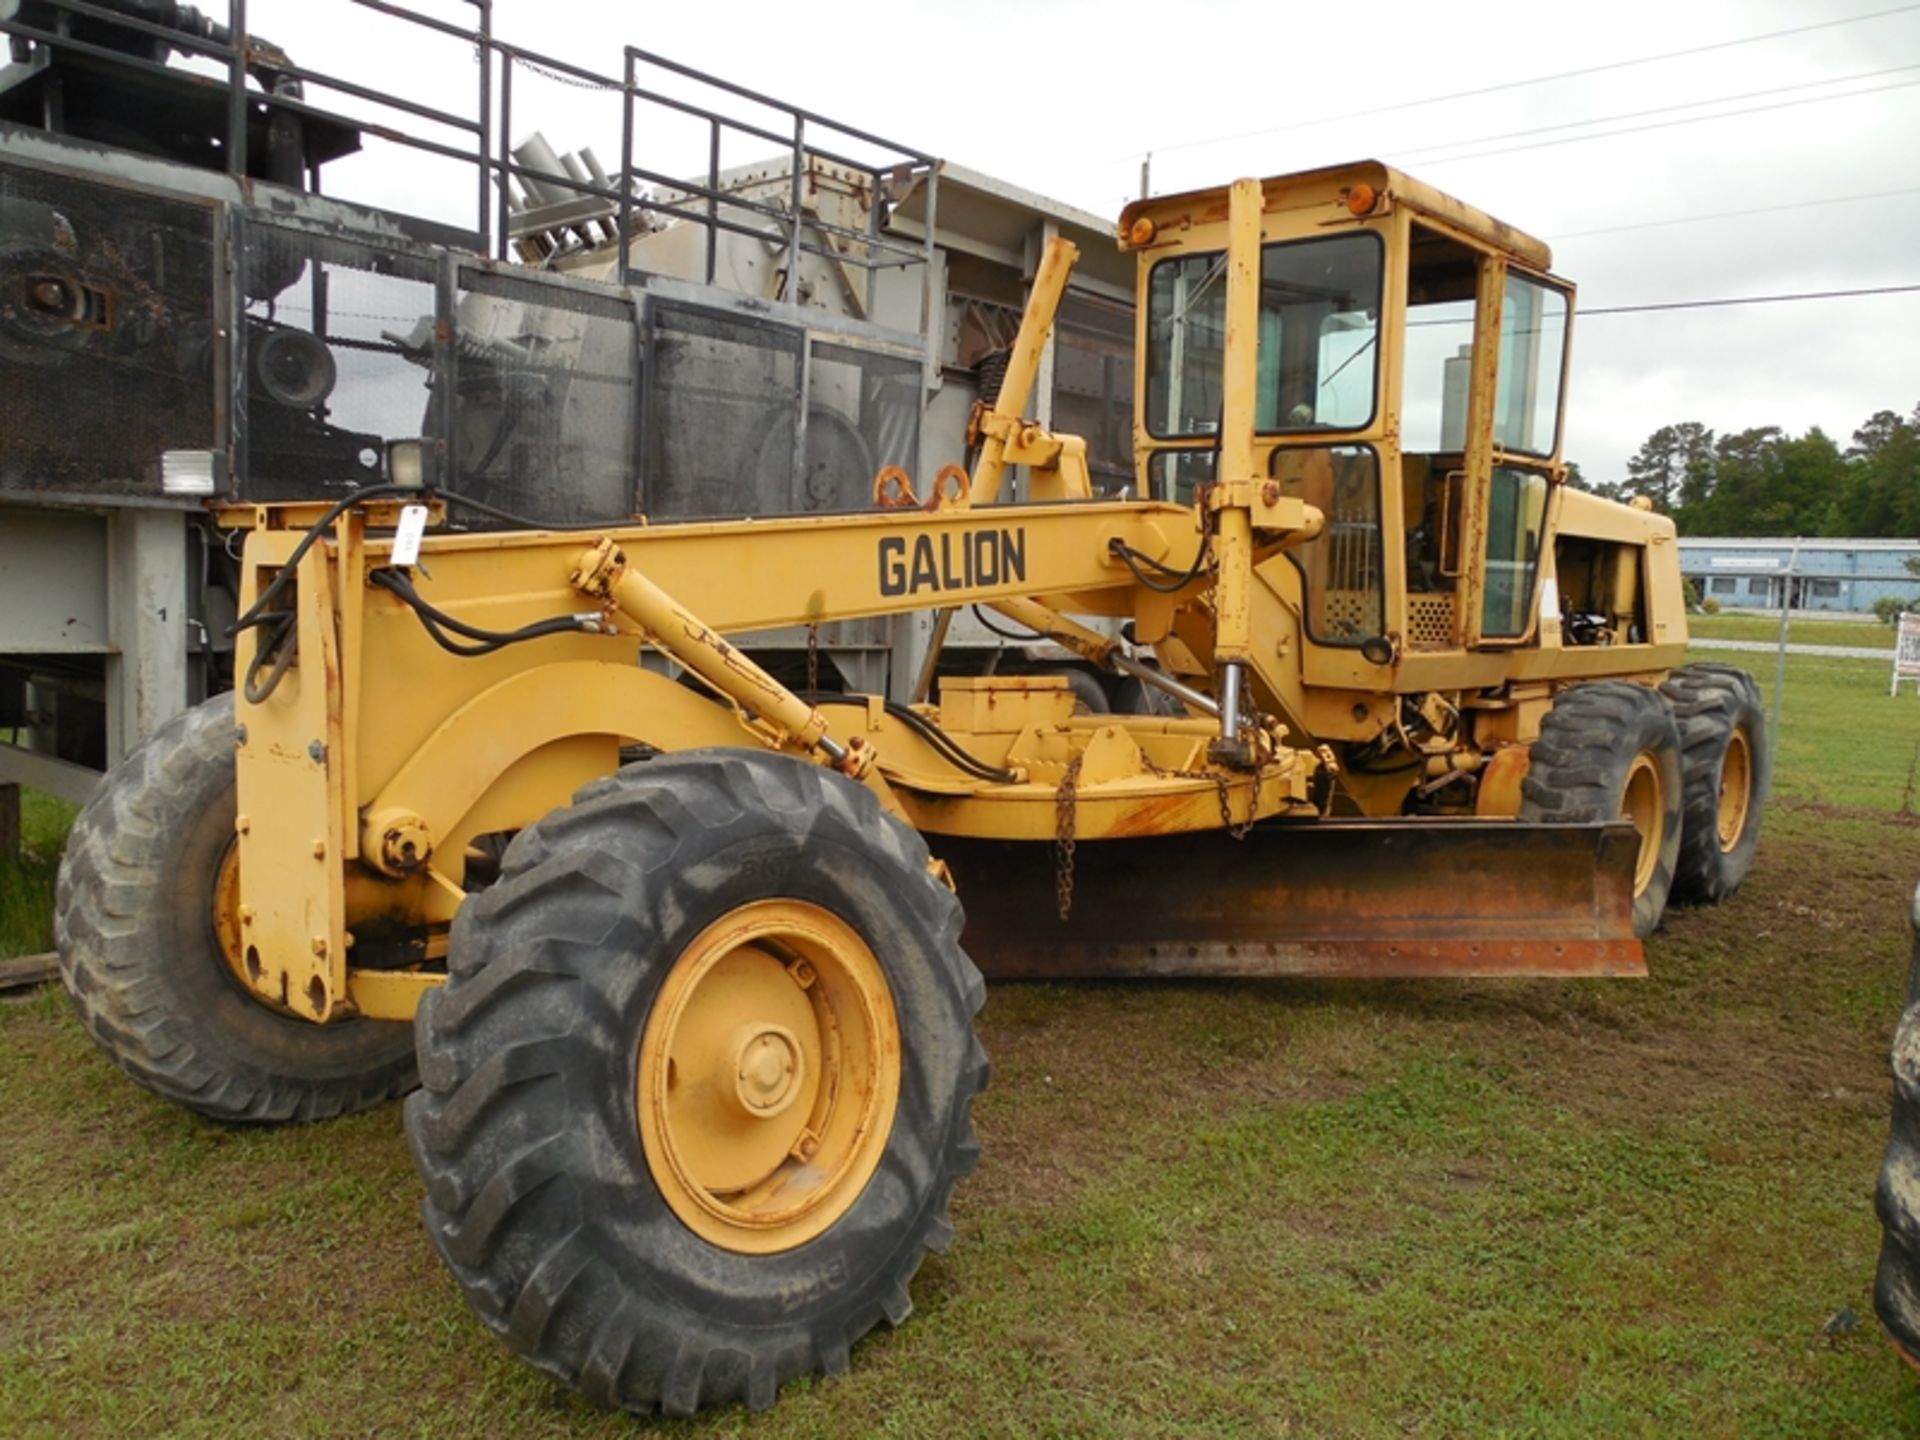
[(1708, 700), (1896, 1290), (1578, 764), (115, 880), (493, 1183)]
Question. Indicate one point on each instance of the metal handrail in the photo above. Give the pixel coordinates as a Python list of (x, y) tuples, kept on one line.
[(492, 119), (810, 116), (428, 22), (178, 39), (363, 92)]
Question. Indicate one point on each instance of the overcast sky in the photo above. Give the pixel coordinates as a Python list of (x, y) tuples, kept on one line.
[(1066, 99)]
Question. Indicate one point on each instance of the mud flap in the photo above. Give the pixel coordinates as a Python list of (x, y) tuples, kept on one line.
[(1353, 898)]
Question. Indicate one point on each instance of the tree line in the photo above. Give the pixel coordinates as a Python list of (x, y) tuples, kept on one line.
[(1766, 482)]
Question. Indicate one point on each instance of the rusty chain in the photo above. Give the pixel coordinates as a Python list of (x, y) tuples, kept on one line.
[(1066, 798), (813, 662), (1065, 801), (1236, 828), (559, 77)]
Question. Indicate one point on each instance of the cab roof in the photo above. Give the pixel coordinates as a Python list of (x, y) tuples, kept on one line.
[(1329, 188)]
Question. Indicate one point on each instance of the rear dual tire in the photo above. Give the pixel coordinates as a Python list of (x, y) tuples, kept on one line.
[(1726, 767), (1688, 764)]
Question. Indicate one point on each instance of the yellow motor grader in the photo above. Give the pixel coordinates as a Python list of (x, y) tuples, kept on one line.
[(684, 950)]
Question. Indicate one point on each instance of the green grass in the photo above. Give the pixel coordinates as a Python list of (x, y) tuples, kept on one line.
[(1290, 1209), (1843, 739), (1867, 634), (26, 880)]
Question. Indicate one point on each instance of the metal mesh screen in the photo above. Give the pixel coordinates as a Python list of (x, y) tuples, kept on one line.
[(545, 397), (724, 403), (336, 354), (106, 333), (1093, 385), (1430, 621), (863, 412), (1346, 598)]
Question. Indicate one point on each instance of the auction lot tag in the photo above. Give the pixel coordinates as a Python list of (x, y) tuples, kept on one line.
[(407, 536)]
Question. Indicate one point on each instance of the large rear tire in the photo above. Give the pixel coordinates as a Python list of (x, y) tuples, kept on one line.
[(137, 918), (1896, 1289), (697, 1090), (1609, 750), (1725, 769)]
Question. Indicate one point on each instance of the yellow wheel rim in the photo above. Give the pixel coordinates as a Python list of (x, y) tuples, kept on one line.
[(226, 913), (1644, 802), (1736, 789), (769, 1072), (226, 926)]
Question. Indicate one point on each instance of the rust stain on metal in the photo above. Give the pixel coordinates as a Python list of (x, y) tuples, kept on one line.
[(1333, 898), (1151, 817)]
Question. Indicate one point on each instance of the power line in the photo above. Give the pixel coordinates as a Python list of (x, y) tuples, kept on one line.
[(1733, 214), (1667, 124), (1670, 109), (1749, 300), (1535, 80)]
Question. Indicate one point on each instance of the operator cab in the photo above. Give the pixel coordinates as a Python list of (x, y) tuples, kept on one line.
[(1378, 296)]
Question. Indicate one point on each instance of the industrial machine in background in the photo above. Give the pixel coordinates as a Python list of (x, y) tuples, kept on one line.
[(688, 944), (172, 273)]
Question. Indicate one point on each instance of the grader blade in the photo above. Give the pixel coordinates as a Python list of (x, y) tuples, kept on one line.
[(1372, 899)]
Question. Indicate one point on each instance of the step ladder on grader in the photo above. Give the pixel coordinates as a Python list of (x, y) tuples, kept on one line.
[(690, 958)]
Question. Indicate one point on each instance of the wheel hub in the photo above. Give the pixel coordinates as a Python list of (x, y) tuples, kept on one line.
[(769, 1070)]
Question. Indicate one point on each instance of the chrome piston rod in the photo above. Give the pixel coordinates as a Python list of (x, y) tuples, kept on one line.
[(1160, 680), (1229, 710)]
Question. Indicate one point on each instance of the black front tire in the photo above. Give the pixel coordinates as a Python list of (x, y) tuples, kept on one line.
[(133, 919), (540, 1196), (1580, 764), (1712, 704)]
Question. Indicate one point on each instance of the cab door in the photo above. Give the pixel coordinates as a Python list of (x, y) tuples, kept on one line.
[(1513, 439)]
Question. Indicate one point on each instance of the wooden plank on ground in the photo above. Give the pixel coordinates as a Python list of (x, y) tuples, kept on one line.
[(26, 970)]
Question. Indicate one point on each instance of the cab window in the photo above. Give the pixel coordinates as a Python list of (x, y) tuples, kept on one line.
[(1318, 357), (1533, 345), (1516, 518)]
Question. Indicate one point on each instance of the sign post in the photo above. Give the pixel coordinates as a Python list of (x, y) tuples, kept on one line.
[(1786, 614)]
